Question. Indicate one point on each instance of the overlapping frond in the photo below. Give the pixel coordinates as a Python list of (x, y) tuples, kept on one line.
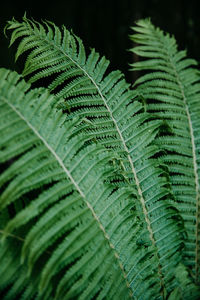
[(14, 280), (171, 89), (109, 114)]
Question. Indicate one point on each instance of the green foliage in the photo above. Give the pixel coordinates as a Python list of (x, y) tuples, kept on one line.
[(172, 90), (98, 200)]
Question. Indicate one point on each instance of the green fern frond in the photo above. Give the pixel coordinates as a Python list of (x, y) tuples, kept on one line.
[(118, 122), (172, 90), (69, 221), (13, 276), (14, 280)]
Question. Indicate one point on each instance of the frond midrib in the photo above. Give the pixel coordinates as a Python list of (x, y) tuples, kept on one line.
[(19, 238), (69, 175)]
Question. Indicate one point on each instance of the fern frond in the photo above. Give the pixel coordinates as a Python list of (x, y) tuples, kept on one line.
[(15, 284), (14, 281), (172, 90), (118, 122), (45, 157)]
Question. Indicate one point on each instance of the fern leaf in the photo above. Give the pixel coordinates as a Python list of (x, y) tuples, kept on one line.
[(13, 276), (172, 91), (72, 214), (118, 122)]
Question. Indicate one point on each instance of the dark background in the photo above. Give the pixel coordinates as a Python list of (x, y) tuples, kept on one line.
[(105, 24)]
